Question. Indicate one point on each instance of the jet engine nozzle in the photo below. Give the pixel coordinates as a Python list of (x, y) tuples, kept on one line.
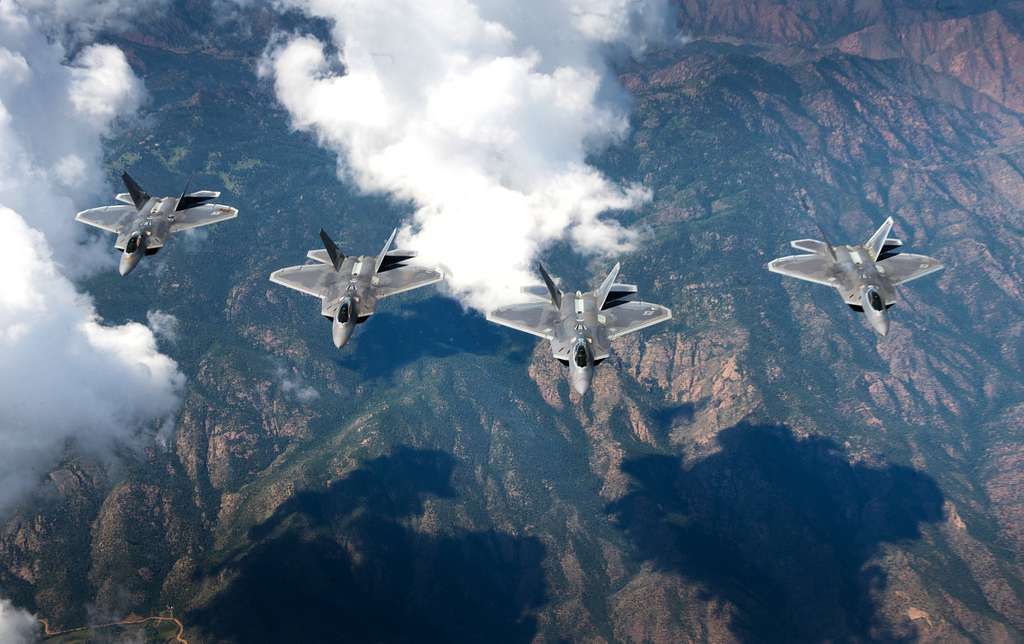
[(581, 368), (133, 252), (874, 308), (344, 322)]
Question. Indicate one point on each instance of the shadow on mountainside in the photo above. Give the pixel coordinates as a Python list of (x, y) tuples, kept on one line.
[(780, 528), (342, 565), (436, 328)]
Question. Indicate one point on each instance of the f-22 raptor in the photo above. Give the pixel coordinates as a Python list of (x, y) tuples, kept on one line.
[(144, 223), (350, 287), (866, 275), (580, 326)]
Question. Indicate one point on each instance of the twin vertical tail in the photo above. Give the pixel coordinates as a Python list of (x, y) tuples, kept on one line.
[(138, 195), (877, 242), (601, 296), (337, 257), (553, 291)]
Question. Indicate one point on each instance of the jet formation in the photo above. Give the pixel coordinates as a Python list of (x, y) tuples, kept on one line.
[(578, 326), (866, 275), (144, 223)]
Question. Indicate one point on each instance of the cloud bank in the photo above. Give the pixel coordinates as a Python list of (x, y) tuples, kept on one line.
[(481, 113), (17, 626), (66, 376)]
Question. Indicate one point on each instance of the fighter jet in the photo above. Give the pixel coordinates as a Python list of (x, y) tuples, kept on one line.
[(866, 275), (581, 326), (350, 287), (144, 224)]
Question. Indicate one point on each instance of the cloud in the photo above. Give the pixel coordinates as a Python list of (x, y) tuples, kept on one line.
[(481, 114), (17, 626), (52, 117), (292, 383), (163, 325), (79, 19), (67, 377)]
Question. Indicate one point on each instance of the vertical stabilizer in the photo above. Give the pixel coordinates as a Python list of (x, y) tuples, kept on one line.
[(606, 286), (824, 238), (876, 243), (384, 251), (556, 294), (139, 196), (337, 257)]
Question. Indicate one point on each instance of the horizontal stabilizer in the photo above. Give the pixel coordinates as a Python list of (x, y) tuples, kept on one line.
[(810, 246), (124, 197), (193, 199), (537, 291), (891, 248), (619, 294), (393, 259)]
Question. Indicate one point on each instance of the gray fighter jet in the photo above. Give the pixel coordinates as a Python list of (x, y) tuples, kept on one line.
[(144, 224), (866, 275), (350, 287), (580, 327)]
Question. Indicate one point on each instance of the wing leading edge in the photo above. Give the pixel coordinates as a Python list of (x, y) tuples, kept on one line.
[(630, 317), (535, 318)]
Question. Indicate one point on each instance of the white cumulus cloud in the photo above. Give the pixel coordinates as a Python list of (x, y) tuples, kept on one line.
[(65, 376), (481, 113), (17, 626)]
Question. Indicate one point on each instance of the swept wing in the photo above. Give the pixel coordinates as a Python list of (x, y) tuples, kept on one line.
[(203, 215), (311, 279), (630, 317), (536, 318), (810, 268), (405, 279), (109, 218), (904, 267)]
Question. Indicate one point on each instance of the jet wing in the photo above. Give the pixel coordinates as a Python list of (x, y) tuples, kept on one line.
[(109, 218), (629, 317), (906, 266), (810, 268), (203, 215), (404, 279), (311, 279), (535, 318)]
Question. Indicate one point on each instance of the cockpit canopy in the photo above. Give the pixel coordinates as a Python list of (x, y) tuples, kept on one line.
[(343, 312), (875, 300), (579, 355), (133, 244)]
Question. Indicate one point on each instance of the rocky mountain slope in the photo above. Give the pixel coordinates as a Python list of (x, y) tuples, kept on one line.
[(763, 468)]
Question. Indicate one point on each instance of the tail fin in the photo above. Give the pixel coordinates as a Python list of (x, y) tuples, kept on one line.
[(384, 251), (337, 257), (824, 238), (553, 291), (877, 241), (606, 286), (138, 195), (186, 200)]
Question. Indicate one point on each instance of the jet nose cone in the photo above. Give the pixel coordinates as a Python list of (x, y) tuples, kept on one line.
[(880, 324), (128, 263), (340, 333), (580, 386)]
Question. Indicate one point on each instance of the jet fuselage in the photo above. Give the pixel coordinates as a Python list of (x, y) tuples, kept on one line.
[(859, 279), (147, 232)]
